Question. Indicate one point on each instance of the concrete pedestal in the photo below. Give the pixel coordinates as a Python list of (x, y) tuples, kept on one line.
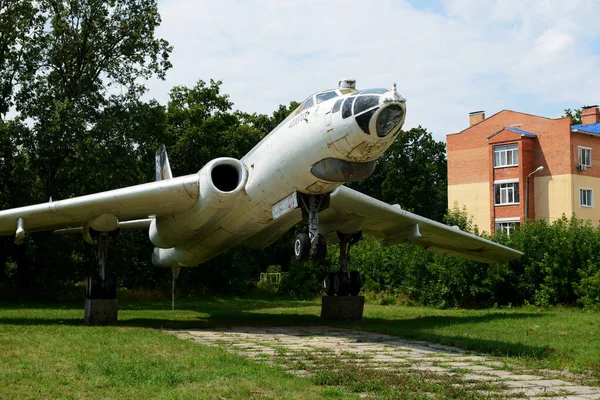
[(100, 312), (342, 307)]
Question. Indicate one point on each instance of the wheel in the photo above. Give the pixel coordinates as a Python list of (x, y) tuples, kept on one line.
[(328, 284), (93, 286), (110, 286), (355, 283), (302, 247), (341, 284), (321, 253)]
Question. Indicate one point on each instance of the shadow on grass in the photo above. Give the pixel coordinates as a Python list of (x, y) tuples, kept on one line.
[(227, 313), (234, 303)]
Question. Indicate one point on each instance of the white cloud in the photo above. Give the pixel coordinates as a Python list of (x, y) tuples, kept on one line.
[(472, 54)]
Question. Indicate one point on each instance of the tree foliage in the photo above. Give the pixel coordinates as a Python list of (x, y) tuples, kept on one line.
[(21, 27), (460, 217), (201, 125), (412, 173), (73, 69), (574, 114), (89, 57)]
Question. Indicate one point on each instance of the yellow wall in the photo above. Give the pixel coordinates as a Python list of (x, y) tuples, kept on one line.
[(559, 194), (553, 197), (585, 213), (476, 197)]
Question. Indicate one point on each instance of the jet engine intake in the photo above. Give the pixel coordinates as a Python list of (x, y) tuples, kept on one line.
[(221, 182)]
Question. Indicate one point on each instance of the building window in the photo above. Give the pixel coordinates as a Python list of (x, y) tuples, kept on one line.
[(586, 197), (506, 156), (584, 157), (508, 225), (506, 193)]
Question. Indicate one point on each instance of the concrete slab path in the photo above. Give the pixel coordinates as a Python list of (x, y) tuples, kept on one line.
[(293, 345)]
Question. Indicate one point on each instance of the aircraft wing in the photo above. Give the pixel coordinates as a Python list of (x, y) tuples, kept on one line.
[(351, 211), (165, 197)]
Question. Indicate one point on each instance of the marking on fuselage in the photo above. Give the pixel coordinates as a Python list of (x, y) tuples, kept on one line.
[(285, 205), (302, 117)]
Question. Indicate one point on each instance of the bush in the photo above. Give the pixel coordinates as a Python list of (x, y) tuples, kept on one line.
[(304, 280), (560, 266)]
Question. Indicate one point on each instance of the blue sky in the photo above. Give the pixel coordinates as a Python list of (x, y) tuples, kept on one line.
[(448, 57), (435, 6)]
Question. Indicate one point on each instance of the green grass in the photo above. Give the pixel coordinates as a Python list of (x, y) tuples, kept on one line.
[(46, 352)]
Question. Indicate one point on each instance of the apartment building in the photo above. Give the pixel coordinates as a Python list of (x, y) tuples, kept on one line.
[(513, 166)]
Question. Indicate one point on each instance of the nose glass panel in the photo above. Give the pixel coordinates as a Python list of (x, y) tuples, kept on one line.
[(375, 91), (388, 119), (347, 107), (363, 120), (363, 103)]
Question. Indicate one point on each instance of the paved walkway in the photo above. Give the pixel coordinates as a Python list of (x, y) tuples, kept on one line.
[(294, 346)]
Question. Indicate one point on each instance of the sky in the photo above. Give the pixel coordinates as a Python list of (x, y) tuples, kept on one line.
[(448, 57)]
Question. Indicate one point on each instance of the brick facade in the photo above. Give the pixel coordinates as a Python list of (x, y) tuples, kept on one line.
[(549, 143)]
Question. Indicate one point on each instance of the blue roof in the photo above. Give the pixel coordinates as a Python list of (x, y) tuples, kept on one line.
[(514, 130), (589, 128), (521, 132)]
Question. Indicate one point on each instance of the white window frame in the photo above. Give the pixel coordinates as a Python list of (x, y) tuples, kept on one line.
[(506, 190), (506, 224), (587, 161), (591, 192), (501, 155)]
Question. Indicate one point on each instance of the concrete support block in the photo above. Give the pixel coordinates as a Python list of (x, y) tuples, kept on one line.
[(342, 307), (100, 311)]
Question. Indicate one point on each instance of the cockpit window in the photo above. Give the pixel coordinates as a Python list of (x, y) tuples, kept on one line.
[(326, 96), (337, 106), (308, 103)]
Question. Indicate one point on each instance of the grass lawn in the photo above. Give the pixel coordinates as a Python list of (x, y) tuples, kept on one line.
[(45, 351)]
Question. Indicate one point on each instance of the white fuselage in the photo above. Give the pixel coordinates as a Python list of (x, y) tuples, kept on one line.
[(355, 133)]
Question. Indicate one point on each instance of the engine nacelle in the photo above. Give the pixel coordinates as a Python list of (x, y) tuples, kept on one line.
[(220, 183)]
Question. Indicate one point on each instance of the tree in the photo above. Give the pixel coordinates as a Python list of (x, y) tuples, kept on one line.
[(20, 29), (412, 173), (266, 124), (90, 51), (201, 126), (16, 189), (575, 115), (75, 69), (461, 218)]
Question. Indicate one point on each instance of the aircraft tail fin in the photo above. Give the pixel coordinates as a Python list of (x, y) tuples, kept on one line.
[(163, 168)]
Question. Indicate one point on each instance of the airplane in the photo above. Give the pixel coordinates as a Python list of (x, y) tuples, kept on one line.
[(296, 173)]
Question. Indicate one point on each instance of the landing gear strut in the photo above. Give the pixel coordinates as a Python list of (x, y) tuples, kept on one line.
[(102, 284), (312, 242), (344, 282)]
